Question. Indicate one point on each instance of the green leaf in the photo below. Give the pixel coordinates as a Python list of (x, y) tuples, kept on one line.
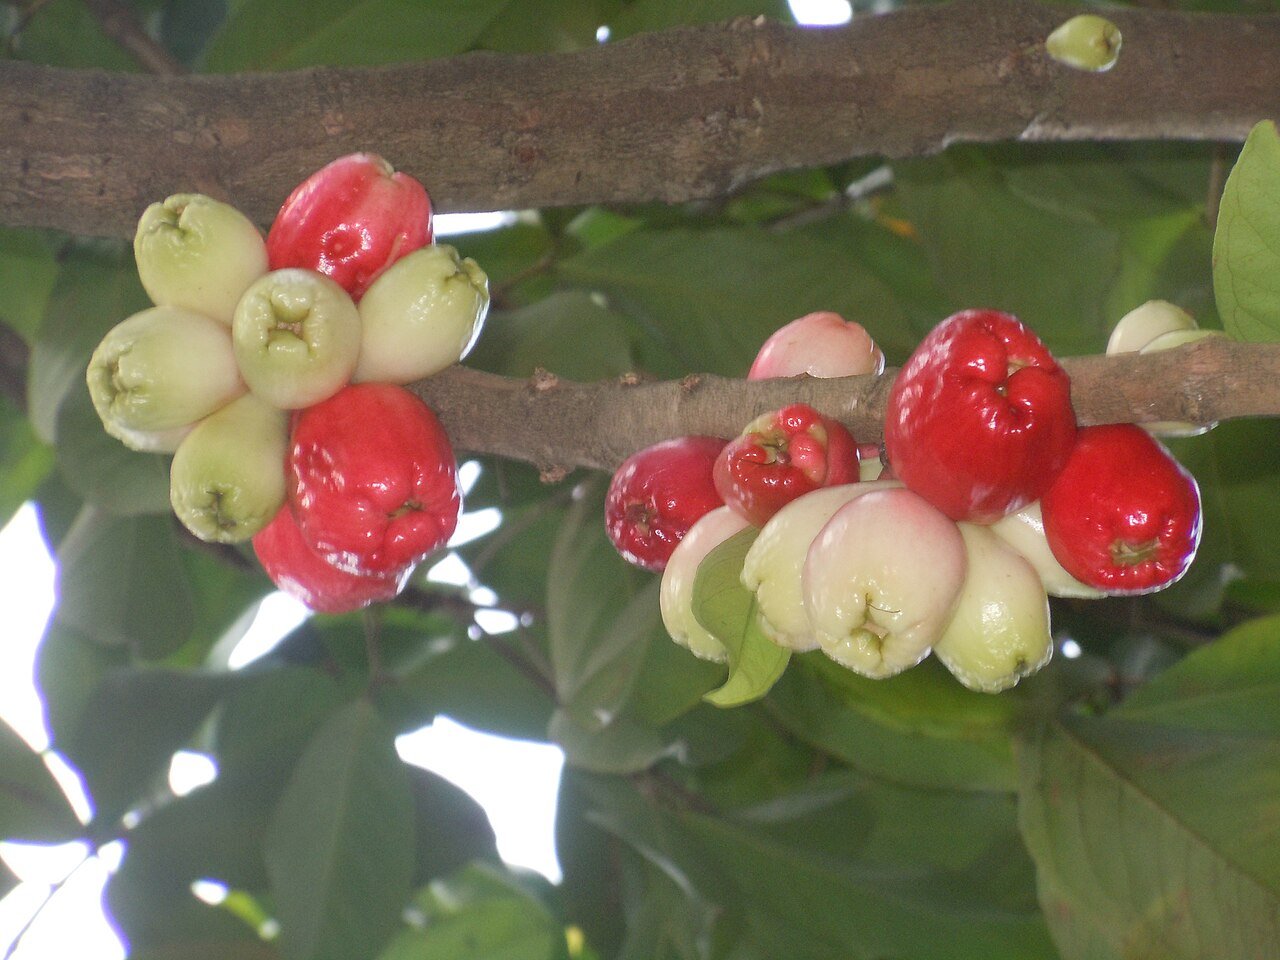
[(64, 33), (24, 461), (27, 274), (32, 806), (727, 610), (1246, 247), (451, 828), (538, 26), (339, 848), (620, 746), (69, 666), (642, 16), (1153, 827), (271, 35)]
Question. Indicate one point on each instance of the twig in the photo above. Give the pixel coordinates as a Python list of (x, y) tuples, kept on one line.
[(119, 22)]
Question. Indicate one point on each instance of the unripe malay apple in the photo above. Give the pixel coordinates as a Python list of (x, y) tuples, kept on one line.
[(676, 595), (1144, 323), (227, 479), (999, 632), (775, 561), (821, 344), (1024, 532), (195, 252), (158, 372), (421, 315), (297, 338), (881, 581), (1085, 42)]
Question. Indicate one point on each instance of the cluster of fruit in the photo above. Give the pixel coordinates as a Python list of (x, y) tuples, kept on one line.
[(272, 369), (990, 500)]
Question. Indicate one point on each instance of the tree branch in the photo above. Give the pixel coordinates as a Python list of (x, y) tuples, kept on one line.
[(673, 116), (561, 424)]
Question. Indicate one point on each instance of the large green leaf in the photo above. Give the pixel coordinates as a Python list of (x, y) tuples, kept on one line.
[(450, 828), (1153, 827), (1246, 248), (27, 274), (727, 610), (276, 35), (64, 33), (339, 848), (24, 461), (32, 805)]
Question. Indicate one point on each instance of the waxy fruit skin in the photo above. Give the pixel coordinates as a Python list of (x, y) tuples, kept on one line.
[(350, 220), (372, 479), (821, 344), (675, 598), (999, 632), (657, 494), (775, 561), (783, 455), (881, 580), (1145, 323), (303, 574), (979, 420), (1024, 532), (1123, 515), (195, 252)]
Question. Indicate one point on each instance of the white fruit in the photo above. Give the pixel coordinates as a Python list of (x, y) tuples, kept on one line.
[(1141, 325), (422, 315), (999, 632), (159, 371), (1024, 532), (676, 595), (881, 581), (775, 561), (193, 251)]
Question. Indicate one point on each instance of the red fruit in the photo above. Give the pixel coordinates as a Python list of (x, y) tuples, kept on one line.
[(979, 420), (821, 344), (351, 220), (302, 573), (780, 456), (1123, 515), (372, 479), (657, 495)]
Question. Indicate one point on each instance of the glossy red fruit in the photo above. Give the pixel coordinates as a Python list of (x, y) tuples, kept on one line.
[(350, 220), (657, 495), (780, 456), (1123, 515), (302, 573), (372, 479), (979, 420)]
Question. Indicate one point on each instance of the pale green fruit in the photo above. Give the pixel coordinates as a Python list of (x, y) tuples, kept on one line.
[(999, 632), (1167, 341), (146, 441), (1141, 325), (159, 371), (193, 251), (1086, 42), (881, 581), (1024, 532), (227, 479), (775, 560), (675, 598), (297, 337), (422, 315)]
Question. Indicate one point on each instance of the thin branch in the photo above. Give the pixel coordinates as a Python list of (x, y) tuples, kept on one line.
[(119, 22), (680, 115)]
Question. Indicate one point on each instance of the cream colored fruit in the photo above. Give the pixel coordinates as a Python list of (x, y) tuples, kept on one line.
[(881, 580), (1142, 324), (676, 594), (773, 566), (999, 632), (1024, 532), (1085, 42)]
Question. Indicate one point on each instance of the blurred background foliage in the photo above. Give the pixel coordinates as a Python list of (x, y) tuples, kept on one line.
[(1118, 805)]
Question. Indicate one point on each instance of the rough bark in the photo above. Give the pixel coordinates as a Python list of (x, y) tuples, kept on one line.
[(672, 116)]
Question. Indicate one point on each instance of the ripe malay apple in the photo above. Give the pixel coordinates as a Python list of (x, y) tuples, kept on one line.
[(227, 478), (297, 338), (302, 573), (373, 480), (350, 220), (774, 563), (421, 315), (1024, 532), (881, 581), (657, 494), (1123, 515), (979, 420), (782, 455), (195, 252), (821, 344), (676, 595), (158, 372), (999, 632)]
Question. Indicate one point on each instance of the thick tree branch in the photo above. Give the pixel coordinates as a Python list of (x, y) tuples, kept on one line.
[(673, 116), (559, 424)]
